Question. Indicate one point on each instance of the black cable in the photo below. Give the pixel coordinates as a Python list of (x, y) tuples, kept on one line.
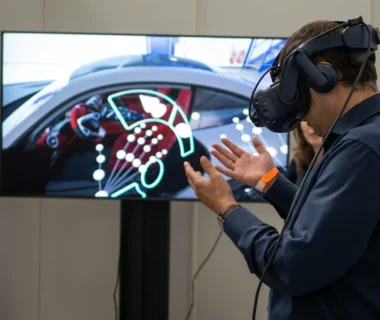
[(198, 271), (311, 167), (118, 270), (116, 288)]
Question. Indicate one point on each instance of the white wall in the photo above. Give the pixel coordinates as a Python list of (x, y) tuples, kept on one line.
[(58, 257)]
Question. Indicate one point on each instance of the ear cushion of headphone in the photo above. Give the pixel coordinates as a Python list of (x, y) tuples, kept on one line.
[(331, 76)]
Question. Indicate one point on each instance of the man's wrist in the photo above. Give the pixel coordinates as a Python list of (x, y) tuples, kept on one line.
[(225, 206), (267, 180), (222, 216), (269, 184)]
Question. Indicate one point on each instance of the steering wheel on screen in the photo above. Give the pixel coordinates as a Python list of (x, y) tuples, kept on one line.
[(85, 120)]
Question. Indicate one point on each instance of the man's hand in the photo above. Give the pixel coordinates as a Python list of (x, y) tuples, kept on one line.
[(215, 193), (240, 165)]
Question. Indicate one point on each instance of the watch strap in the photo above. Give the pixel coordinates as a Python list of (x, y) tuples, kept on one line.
[(222, 216), (269, 176)]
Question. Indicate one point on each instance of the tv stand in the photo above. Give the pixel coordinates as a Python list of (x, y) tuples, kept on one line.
[(144, 259)]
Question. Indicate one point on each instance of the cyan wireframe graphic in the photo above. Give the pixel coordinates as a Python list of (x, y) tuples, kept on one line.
[(120, 180)]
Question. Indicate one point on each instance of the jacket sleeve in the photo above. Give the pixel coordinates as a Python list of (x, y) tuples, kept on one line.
[(331, 231), (291, 173), (281, 194)]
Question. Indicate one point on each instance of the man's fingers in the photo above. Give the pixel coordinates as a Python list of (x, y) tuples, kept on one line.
[(226, 162), (233, 147), (258, 145), (208, 167), (189, 170), (227, 172), (225, 153), (195, 178), (192, 185)]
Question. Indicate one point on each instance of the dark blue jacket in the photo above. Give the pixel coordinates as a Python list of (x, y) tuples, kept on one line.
[(328, 264), (292, 174)]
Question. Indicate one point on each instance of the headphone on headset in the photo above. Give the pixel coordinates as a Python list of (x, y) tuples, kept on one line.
[(284, 104)]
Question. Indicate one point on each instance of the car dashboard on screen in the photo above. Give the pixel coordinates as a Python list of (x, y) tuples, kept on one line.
[(114, 116)]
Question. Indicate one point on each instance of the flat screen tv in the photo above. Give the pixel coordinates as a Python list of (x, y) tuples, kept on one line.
[(115, 116)]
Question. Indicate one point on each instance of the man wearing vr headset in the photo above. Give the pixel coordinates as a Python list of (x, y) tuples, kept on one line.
[(325, 264)]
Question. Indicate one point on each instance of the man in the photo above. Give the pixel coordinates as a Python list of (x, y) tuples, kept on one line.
[(328, 262)]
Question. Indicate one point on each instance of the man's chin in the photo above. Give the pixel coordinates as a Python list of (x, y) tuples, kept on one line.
[(318, 132)]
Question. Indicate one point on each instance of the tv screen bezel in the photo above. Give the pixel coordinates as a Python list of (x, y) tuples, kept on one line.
[(20, 195)]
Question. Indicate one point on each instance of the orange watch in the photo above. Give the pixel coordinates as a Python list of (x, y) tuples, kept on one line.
[(268, 177)]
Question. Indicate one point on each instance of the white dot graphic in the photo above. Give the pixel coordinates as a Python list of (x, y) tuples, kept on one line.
[(154, 141), (164, 151), (121, 154), (245, 112), (195, 116), (142, 168), (141, 141), (99, 147), (149, 133), (136, 162), (183, 130), (257, 130), (99, 175), (143, 126), (131, 138), (223, 136), (160, 137), (284, 149), (138, 130), (101, 194), (147, 148), (154, 128), (239, 127), (245, 137), (159, 155), (235, 120), (272, 151), (159, 110), (152, 159), (129, 157), (100, 158)]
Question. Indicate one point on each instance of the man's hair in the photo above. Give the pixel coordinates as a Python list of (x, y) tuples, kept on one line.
[(339, 58)]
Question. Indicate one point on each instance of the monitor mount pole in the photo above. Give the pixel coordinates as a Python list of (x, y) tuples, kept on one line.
[(144, 259)]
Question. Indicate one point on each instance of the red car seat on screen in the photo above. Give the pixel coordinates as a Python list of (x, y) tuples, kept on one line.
[(157, 137), (164, 90)]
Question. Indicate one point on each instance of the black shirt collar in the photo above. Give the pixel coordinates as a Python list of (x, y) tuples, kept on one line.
[(353, 118)]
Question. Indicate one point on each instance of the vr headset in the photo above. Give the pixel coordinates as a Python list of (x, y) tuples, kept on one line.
[(284, 104)]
